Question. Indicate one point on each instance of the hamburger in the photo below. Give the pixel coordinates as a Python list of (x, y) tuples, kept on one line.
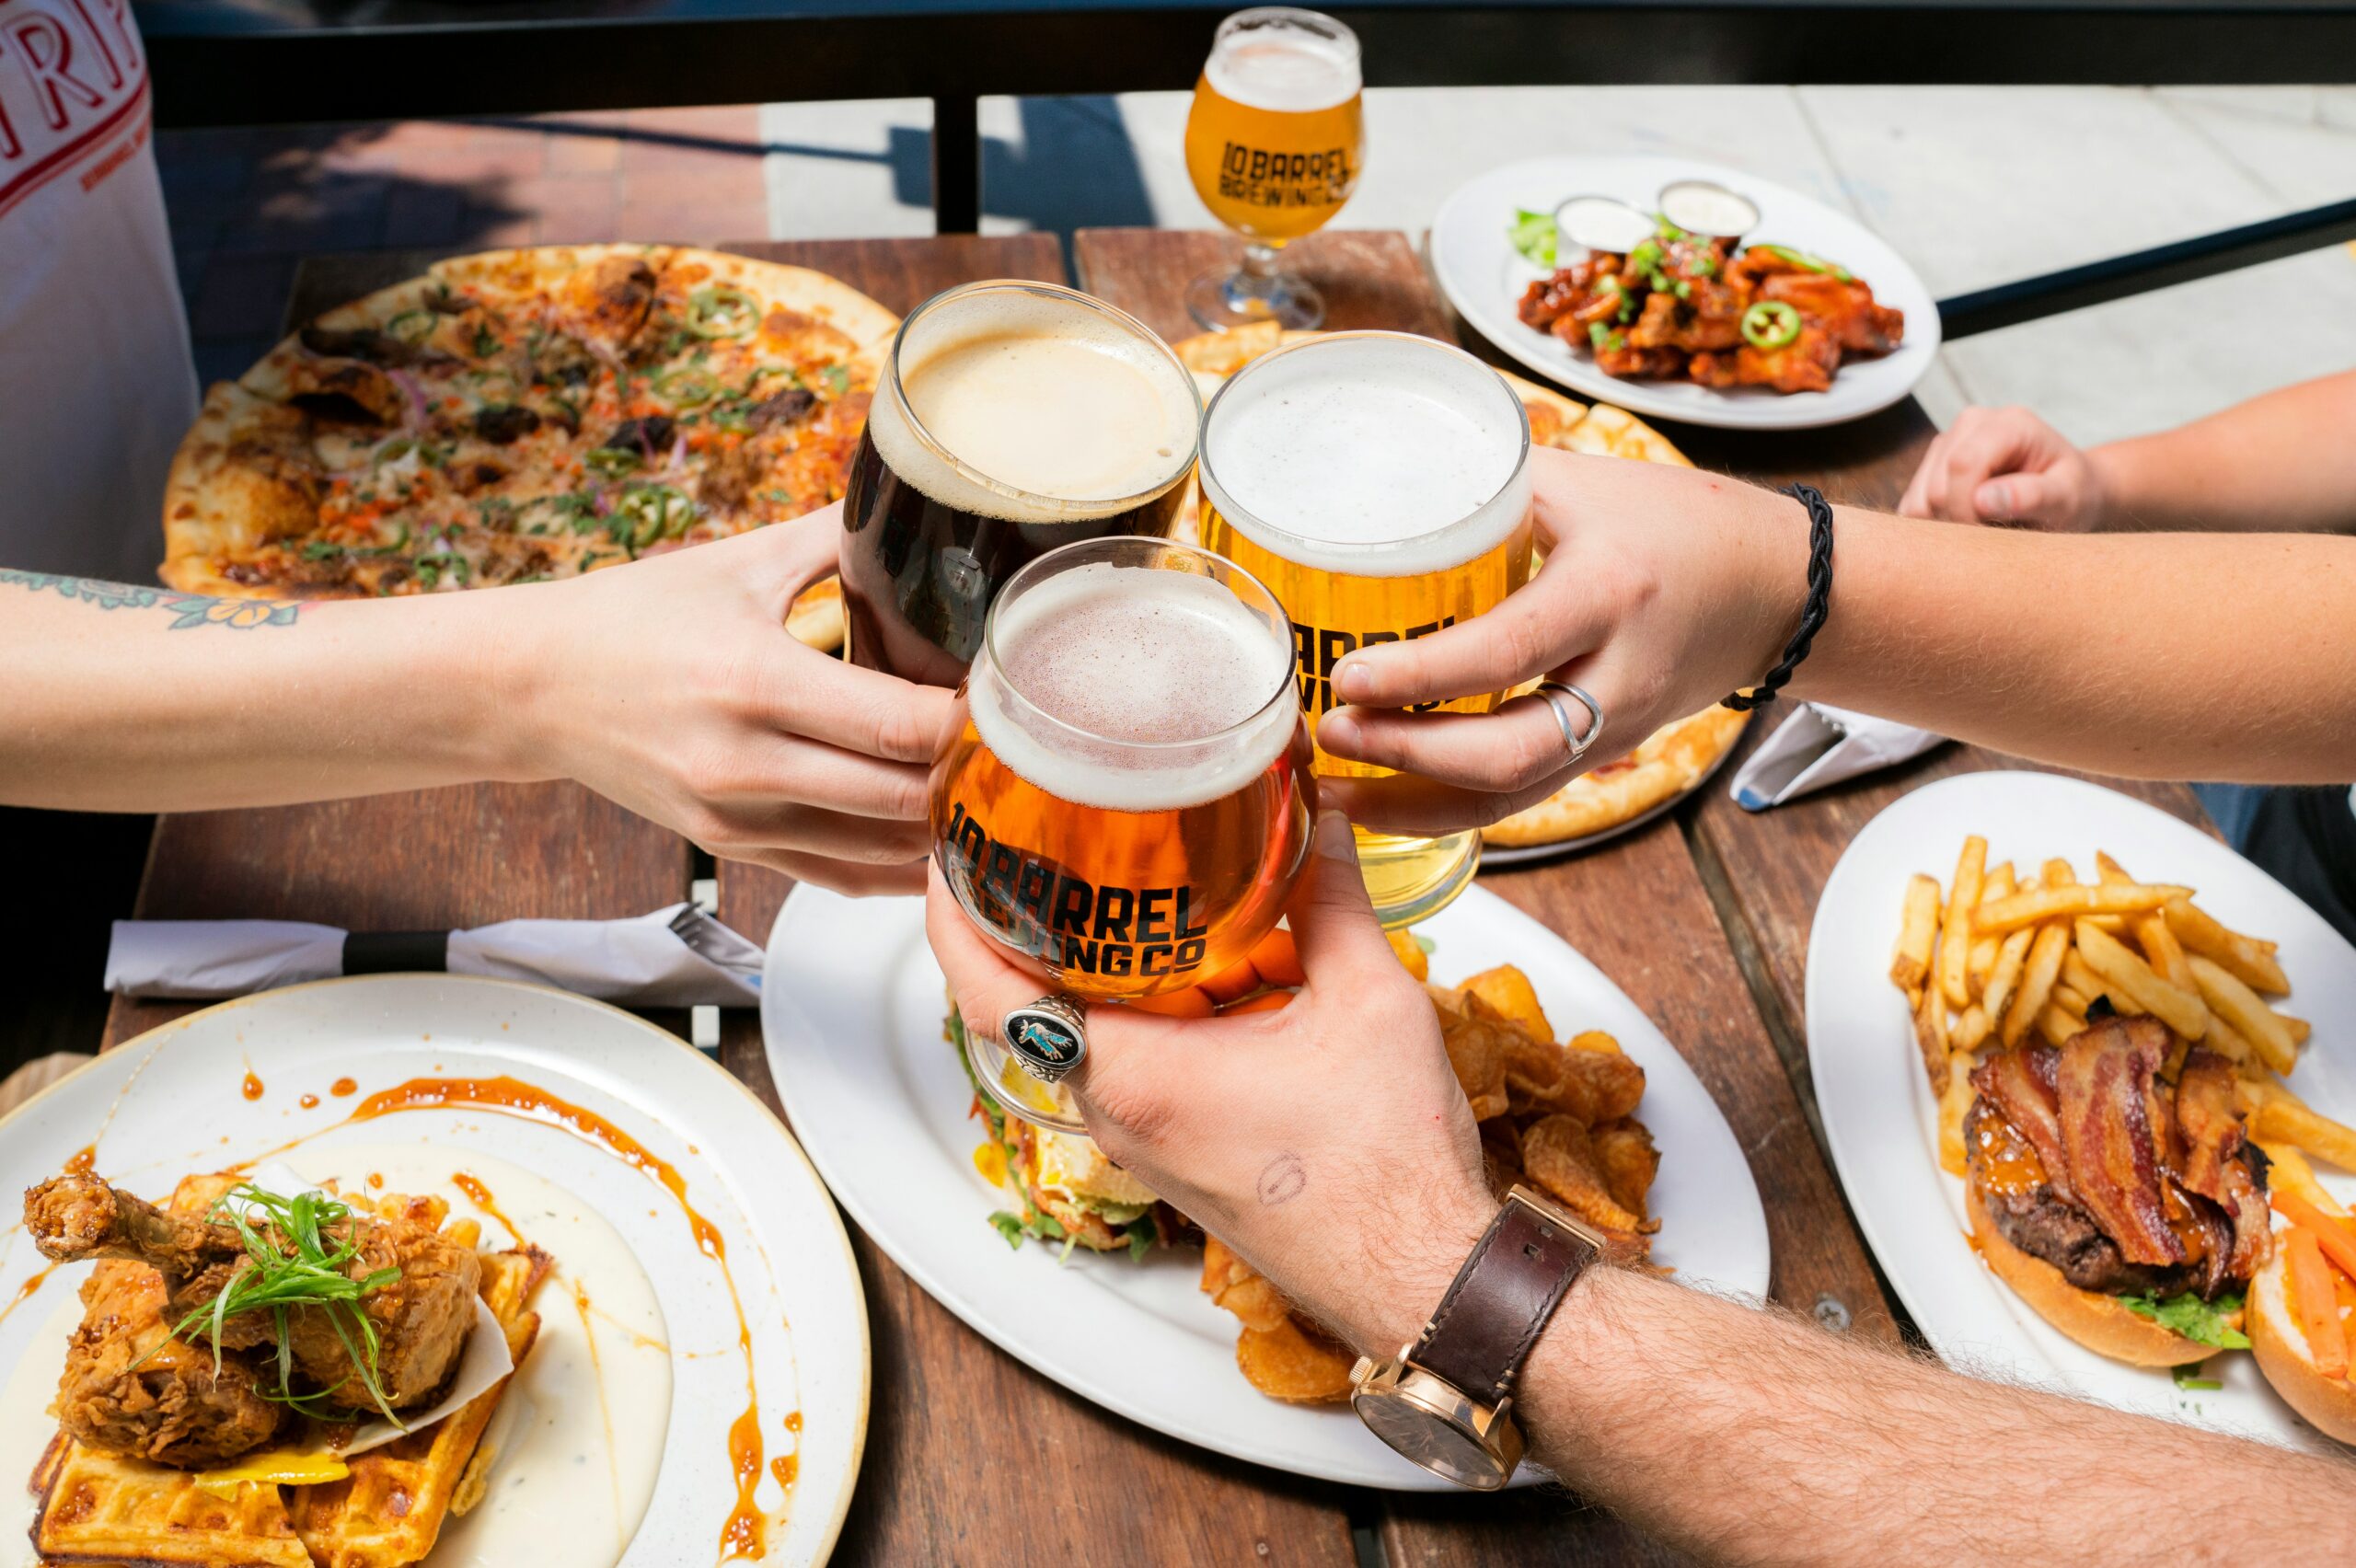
[(1060, 1188), (2128, 1210)]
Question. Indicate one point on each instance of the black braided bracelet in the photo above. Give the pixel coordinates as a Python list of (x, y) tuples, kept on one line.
[(1820, 600)]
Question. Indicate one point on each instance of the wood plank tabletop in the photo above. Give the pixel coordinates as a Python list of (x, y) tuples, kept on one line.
[(1637, 907)]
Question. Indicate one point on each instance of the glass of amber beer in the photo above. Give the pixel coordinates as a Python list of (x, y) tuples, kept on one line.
[(1012, 416), (1274, 143), (1124, 798), (1380, 484)]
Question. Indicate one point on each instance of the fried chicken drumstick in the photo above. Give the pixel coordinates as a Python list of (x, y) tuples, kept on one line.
[(420, 1314)]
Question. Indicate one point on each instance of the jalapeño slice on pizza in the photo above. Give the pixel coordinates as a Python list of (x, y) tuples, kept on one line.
[(525, 415)]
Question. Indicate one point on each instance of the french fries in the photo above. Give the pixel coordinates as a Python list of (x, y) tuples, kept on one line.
[(1910, 966), (1954, 938), (1995, 960), (2248, 961), (2041, 903), (2253, 1019), (2181, 1010)]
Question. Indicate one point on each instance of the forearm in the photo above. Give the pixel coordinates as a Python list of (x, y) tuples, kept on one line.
[(1746, 1436), (140, 699), (2193, 656), (2280, 463)]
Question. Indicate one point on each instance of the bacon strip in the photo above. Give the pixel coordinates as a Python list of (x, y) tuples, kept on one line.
[(2021, 1084), (2213, 1162), (2103, 1081)]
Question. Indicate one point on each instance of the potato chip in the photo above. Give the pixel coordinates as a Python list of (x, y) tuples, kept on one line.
[(1501, 1153), (1508, 990), (1625, 1149), (1236, 1287), (1561, 1159), (1590, 1086), (1477, 1040), (1295, 1364)]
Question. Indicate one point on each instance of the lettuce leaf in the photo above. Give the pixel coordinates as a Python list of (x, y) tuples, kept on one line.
[(2203, 1322)]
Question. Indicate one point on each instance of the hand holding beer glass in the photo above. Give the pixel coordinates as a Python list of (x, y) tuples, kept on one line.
[(1123, 799), (1274, 143), (1380, 484)]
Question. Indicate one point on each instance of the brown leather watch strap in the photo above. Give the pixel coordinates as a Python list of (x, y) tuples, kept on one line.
[(1501, 1298)]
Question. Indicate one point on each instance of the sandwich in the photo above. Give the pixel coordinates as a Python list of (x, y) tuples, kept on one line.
[(1060, 1188), (2302, 1314), (2128, 1210)]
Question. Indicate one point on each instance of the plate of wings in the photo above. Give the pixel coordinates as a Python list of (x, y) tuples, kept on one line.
[(419, 1269), (1806, 319)]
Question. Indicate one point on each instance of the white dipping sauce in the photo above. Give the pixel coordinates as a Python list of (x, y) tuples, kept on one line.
[(579, 1471)]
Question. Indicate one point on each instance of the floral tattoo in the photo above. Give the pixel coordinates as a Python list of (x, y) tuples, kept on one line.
[(187, 609)]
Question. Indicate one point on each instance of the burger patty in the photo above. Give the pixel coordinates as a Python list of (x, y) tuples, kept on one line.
[(2060, 1233)]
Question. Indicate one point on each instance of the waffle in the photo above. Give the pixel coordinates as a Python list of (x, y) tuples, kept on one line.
[(96, 1509), (390, 1510)]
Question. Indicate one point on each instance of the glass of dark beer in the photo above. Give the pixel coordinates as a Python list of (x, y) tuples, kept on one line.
[(1013, 417)]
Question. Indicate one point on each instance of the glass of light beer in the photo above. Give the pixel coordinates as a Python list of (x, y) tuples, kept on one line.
[(1123, 801), (1380, 484), (1274, 143), (1012, 416)]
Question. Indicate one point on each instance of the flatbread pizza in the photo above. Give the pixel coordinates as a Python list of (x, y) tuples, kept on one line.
[(1672, 761), (523, 415)]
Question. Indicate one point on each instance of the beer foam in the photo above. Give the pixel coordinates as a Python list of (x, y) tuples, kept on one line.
[(1053, 412), (1286, 70), (1115, 672), (1377, 455)]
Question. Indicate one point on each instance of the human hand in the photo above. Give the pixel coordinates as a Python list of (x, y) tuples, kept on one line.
[(1327, 1141), (1664, 589), (672, 686), (2007, 466)]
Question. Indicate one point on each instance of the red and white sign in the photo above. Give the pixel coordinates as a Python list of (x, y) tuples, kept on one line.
[(72, 93)]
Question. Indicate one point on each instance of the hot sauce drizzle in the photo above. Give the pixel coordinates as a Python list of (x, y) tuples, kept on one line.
[(343, 1087), (24, 1292), (745, 1532), (81, 1161), (480, 1195), (308, 1102), (252, 1086)]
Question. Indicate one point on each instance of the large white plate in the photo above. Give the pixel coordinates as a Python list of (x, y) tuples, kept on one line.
[(851, 1007), (1484, 277), (1881, 1121), (174, 1100)]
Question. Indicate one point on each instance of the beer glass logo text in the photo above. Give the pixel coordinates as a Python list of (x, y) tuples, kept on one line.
[(1257, 177), (1316, 649), (1065, 922)]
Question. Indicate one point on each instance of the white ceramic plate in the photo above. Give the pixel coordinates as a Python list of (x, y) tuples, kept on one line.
[(1484, 277), (1881, 1121), (176, 1101), (851, 1009)]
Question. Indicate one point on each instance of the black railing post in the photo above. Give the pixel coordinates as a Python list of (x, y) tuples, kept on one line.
[(957, 165)]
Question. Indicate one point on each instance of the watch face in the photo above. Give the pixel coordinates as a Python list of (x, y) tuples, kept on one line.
[(1438, 1445)]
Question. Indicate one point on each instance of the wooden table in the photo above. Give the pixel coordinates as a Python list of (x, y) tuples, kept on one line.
[(1701, 917)]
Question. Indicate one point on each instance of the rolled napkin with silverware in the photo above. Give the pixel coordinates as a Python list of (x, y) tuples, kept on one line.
[(1820, 745), (675, 957)]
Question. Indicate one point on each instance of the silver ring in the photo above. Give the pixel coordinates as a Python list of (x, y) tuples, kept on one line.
[(1049, 1036), (1576, 744)]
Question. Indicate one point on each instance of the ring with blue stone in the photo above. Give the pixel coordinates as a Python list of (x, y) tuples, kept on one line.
[(1049, 1037)]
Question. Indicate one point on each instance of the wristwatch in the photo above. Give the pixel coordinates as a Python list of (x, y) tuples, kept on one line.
[(1445, 1402)]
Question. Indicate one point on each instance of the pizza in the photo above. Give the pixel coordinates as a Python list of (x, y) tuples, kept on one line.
[(525, 415), (1673, 759)]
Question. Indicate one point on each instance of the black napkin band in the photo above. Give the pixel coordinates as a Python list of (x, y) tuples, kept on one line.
[(1820, 600), (396, 953)]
